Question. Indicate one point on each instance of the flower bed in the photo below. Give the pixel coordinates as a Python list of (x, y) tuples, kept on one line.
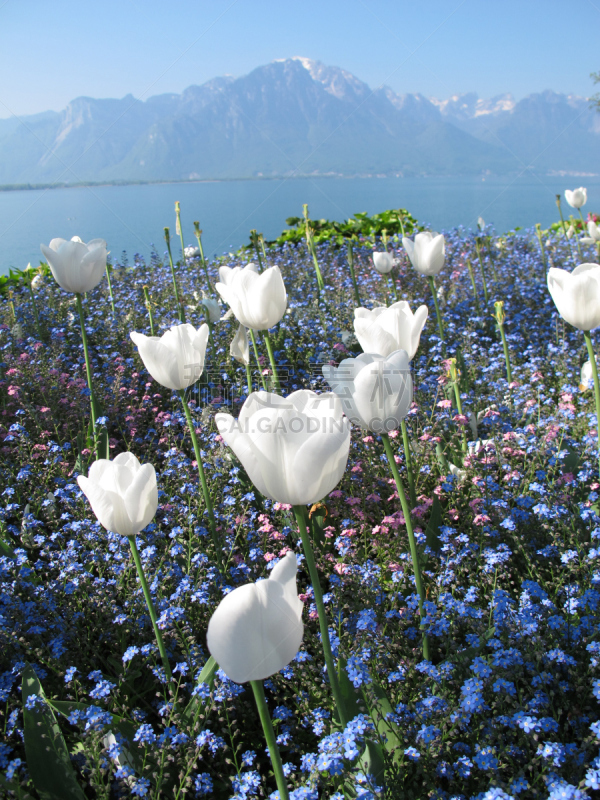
[(505, 515)]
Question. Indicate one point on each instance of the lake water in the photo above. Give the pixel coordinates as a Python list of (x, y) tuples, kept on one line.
[(132, 218)]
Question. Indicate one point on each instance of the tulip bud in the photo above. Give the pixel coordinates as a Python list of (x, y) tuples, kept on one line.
[(427, 253), (257, 628), (383, 263), (499, 312)]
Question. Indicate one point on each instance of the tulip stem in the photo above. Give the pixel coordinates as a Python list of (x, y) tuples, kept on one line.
[(249, 379), (473, 284), (408, 459), (538, 230), (437, 308), (392, 280), (35, 310), (198, 235), (110, 292), (147, 596), (207, 499), (267, 726), (353, 273), (411, 538), (480, 257), (272, 360), (592, 357), (262, 377), (301, 516), (149, 307), (101, 442), (180, 311), (564, 227), (506, 354)]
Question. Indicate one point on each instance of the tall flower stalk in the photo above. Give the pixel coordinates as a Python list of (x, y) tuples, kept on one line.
[(411, 539), (482, 268), (500, 318), (438, 313), (301, 518), (198, 235), (473, 284), (592, 358), (180, 310), (310, 243), (212, 524), (267, 726), (257, 357), (100, 439), (352, 272), (148, 303), (272, 360)]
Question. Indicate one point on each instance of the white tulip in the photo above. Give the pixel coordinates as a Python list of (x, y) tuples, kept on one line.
[(212, 306), (239, 349), (175, 359), (122, 493), (77, 267), (376, 392), (257, 300), (459, 474), (594, 234), (587, 378), (257, 628), (427, 252), (383, 262), (577, 295), (294, 448), (383, 330), (577, 197), (191, 251)]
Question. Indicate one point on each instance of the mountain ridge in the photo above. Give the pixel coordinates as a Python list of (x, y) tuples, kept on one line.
[(296, 117)]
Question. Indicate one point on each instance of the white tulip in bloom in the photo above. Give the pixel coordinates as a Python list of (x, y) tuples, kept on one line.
[(577, 197), (427, 252), (257, 628), (77, 267), (175, 359), (383, 330), (383, 262), (122, 493), (294, 448), (239, 349), (577, 295), (376, 392), (594, 234), (191, 251), (212, 306), (258, 300)]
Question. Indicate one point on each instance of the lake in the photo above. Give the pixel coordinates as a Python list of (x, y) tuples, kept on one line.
[(132, 218)]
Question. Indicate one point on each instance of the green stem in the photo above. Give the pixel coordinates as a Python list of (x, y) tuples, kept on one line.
[(149, 604), (437, 308), (254, 240), (301, 514), (562, 219), (149, 307), (249, 379), (592, 357), (180, 229), (272, 360), (110, 292), (411, 538), (538, 230), (207, 499), (583, 230), (506, 354), (267, 726), (262, 377), (473, 284), (180, 311), (198, 235), (394, 286), (408, 459), (35, 311), (101, 442), (352, 273), (261, 239), (485, 291), (459, 409)]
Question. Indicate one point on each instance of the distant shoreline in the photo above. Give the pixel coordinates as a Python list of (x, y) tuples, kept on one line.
[(20, 187)]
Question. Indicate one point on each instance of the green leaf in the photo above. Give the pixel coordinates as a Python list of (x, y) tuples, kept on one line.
[(433, 526), (48, 759), (194, 707), (349, 693)]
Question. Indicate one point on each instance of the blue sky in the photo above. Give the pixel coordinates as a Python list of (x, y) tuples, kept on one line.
[(52, 52)]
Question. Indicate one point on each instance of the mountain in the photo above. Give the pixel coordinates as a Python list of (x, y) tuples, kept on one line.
[(296, 117)]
